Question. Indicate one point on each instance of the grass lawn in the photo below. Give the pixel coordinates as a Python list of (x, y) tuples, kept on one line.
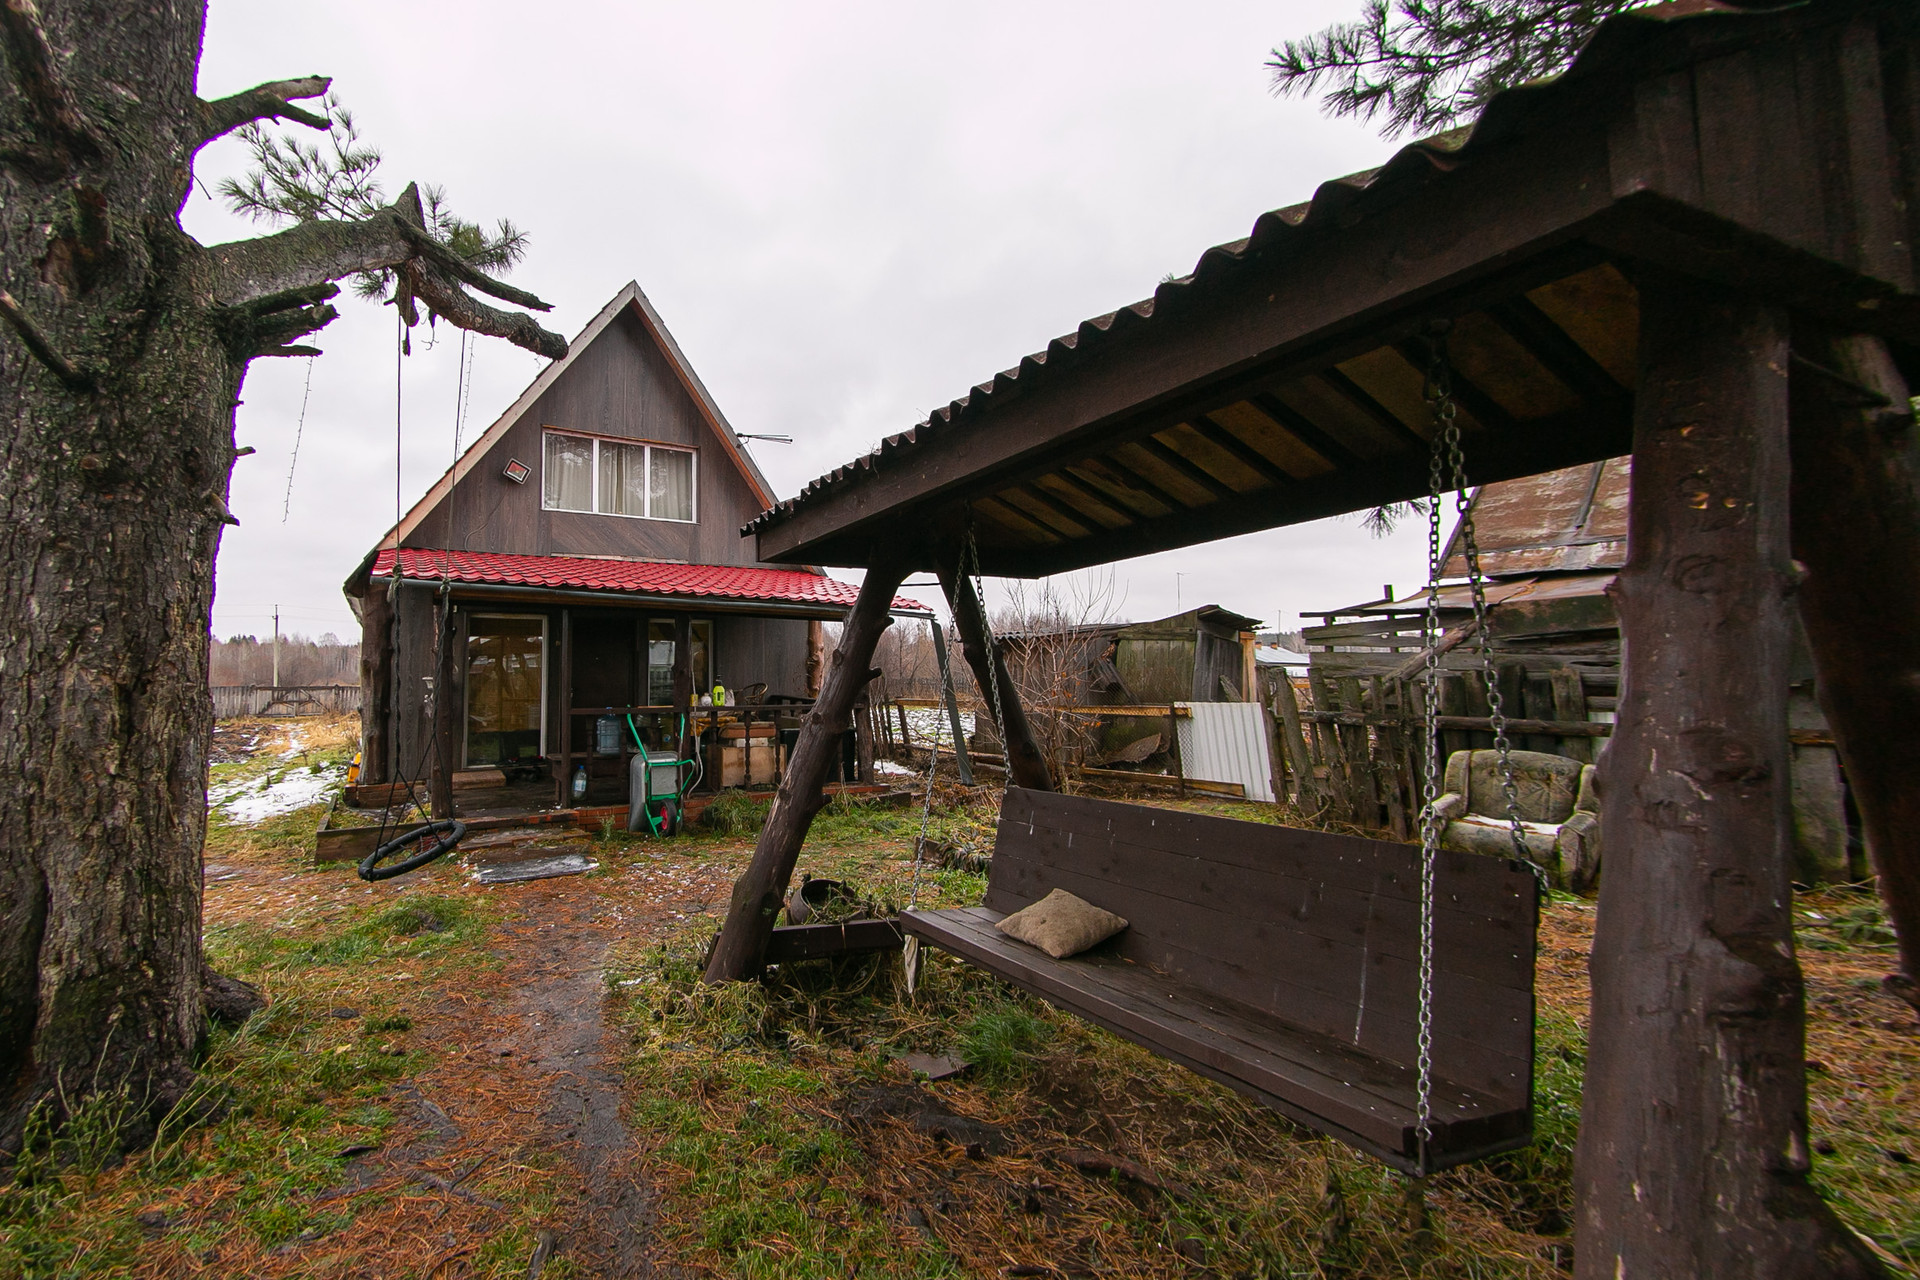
[(414, 1102)]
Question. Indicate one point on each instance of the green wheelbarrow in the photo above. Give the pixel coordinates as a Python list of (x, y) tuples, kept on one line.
[(657, 786)]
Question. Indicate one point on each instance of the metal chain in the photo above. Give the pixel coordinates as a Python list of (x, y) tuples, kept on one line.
[(972, 550), (1439, 398)]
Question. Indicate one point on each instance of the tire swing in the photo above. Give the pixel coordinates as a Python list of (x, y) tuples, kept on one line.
[(449, 830), (1377, 992)]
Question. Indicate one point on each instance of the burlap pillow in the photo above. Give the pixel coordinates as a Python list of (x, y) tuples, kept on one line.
[(1062, 925)]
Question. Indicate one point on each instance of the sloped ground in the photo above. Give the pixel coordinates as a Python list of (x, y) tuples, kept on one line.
[(458, 1080)]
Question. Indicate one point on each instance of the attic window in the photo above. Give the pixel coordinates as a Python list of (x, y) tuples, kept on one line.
[(618, 478)]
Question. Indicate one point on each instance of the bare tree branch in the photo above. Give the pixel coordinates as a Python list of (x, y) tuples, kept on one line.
[(270, 101), (37, 342), (248, 272), (475, 316), (36, 70)]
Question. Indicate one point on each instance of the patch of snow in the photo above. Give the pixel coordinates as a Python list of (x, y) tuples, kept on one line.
[(256, 800), (888, 766), (296, 743)]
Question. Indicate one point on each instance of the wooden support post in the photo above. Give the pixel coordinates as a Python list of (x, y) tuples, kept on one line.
[(1306, 787), (960, 754), (1856, 528), (816, 657), (440, 778), (1179, 765), (1570, 704), (683, 697), (376, 686), (1026, 763), (1693, 1156), (563, 783), (762, 887)]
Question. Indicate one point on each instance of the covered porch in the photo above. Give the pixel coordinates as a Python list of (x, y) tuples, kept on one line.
[(558, 670)]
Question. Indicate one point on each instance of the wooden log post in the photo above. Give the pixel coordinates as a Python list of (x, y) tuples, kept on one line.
[(1026, 763), (761, 889), (1693, 1156), (1306, 788), (440, 777), (563, 784), (1856, 529), (376, 685), (960, 755)]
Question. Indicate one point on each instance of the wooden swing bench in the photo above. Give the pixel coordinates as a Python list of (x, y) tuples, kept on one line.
[(1283, 963)]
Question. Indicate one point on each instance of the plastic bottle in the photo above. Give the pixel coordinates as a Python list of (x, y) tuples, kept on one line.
[(579, 781)]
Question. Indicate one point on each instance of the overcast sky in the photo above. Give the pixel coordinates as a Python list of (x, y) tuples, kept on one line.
[(847, 214)]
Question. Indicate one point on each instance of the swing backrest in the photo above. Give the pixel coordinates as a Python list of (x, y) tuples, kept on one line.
[(1316, 930)]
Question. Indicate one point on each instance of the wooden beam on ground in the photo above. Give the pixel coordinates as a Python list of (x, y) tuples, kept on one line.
[(1027, 765), (1232, 790), (1693, 1153), (760, 892), (1158, 711)]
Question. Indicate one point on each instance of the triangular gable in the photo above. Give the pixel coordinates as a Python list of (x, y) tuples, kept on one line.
[(629, 297)]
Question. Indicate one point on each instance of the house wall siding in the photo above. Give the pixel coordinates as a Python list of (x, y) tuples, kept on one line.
[(622, 386)]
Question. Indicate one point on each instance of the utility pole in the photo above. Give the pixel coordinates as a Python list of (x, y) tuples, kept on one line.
[(276, 646)]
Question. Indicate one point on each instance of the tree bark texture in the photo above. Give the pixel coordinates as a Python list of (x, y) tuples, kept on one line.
[(762, 888), (1026, 762), (1856, 531), (1692, 1157), (122, 354)]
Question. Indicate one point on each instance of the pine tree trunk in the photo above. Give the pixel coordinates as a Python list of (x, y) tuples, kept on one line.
[(121, 357), (111, 507)]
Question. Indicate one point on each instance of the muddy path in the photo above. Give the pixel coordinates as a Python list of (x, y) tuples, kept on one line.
[(518, 1063)]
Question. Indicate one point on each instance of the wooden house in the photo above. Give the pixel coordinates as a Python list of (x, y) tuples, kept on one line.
[(580, 558)]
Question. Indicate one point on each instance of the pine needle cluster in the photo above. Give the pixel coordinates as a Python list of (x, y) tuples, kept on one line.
[(293, 180), (1426, 65)]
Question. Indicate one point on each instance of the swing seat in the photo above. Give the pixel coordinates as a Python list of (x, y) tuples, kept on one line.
[(1282, 963)]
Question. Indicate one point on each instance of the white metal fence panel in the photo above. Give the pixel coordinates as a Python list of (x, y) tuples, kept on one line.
[(1227, 742)]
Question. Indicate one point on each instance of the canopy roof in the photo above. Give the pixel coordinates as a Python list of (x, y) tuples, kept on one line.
[(624, 581), (1770, 151)]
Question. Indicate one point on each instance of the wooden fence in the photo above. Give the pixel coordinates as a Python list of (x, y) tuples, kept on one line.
[(232, 700)]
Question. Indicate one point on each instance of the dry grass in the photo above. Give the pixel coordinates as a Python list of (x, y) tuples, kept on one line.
[(765, 1116)]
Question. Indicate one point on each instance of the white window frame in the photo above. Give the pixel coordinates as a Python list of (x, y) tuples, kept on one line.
[(594, 475), (466, 717)]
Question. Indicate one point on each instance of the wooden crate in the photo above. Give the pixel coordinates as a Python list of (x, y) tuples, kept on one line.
[(757, 762)]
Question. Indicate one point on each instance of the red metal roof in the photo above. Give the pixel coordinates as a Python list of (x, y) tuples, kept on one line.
[(637, 577)]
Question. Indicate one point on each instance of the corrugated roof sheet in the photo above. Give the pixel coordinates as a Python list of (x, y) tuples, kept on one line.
[(1623, 44), (636, 577), (1569, 520)]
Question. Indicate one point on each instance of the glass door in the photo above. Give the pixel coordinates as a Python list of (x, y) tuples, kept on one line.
[(506, 689)]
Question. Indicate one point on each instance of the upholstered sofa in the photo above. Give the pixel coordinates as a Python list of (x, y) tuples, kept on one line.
[(1559, 812)]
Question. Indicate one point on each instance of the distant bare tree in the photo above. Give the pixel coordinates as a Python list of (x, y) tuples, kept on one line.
[(1054, 633), (241, 660)]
